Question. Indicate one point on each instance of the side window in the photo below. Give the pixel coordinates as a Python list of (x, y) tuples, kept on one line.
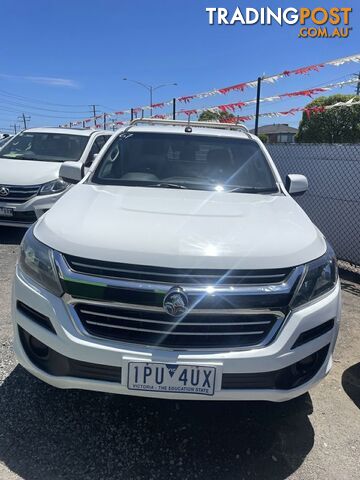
[(102, 140), (95, 149)]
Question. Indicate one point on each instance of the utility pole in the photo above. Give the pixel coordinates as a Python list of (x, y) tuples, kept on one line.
[(24, 118), (257, 105), (174, 109), (358, 86), (94, 113), (15, 127)]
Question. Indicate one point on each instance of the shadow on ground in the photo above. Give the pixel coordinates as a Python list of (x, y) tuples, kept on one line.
[(53, 434), (351, 383), (11, 235)]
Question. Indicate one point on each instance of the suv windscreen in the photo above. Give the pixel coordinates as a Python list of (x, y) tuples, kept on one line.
[(186, 161), (46, 147)]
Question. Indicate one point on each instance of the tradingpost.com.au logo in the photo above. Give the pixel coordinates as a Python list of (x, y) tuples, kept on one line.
[(313, 22)]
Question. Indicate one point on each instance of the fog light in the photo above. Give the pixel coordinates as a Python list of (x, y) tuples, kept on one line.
[(304, 366), (38, 348)]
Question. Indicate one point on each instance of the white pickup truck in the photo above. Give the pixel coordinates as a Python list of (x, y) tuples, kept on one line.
[(29, 169), (179, 267)]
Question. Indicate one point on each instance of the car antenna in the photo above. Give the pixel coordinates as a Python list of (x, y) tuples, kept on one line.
[(188, 129)]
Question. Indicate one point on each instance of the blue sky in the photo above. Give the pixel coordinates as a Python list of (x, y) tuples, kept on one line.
[(69, 54)]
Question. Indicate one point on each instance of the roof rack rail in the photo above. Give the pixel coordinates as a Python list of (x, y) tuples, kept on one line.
[(185, 123)]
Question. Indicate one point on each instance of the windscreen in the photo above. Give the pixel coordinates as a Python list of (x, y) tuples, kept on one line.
[(186, 161), (47, 147)]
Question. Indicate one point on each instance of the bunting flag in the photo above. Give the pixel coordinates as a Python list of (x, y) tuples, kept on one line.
[(240, 87), (308, 93), (308, 110), (231, 107), (246, 118), (272, 79)]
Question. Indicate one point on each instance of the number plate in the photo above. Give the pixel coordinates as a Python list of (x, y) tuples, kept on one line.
[(171, 378), (6, 212)]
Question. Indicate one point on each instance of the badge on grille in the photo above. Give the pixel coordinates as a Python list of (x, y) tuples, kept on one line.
[(4, 191), (176, 302)]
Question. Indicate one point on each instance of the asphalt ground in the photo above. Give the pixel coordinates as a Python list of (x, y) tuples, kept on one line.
[(51, 434)]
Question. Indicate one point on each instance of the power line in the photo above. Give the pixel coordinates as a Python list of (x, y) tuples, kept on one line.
[(34, 107), (21, 97)]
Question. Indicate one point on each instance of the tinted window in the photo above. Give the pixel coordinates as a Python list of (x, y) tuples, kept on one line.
[(192, 161), (47, 147)]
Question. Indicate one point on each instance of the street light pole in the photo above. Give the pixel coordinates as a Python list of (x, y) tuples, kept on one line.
[(150, 89)]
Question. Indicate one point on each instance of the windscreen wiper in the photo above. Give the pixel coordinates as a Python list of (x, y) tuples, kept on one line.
[(167, 185), (253, 190)]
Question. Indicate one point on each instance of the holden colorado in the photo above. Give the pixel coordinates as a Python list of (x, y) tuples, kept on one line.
[(178, 267)]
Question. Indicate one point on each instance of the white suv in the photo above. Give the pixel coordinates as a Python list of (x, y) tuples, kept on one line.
[(180, 267), (29, 169)]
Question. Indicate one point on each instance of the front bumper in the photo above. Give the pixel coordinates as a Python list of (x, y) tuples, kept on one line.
[(70, 342), (25, 214)]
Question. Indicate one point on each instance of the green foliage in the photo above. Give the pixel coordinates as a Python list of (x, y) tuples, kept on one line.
[(263, 137), (208, 116), (337, 125)]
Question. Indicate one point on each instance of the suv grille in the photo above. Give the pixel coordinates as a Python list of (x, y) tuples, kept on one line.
[(192, 331), (20, 194), (236, 309)]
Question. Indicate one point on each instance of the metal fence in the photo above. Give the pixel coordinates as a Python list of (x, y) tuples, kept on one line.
[(333, 199)]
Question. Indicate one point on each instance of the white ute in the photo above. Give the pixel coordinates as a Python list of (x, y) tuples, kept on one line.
[(29, 169), (180, 268)]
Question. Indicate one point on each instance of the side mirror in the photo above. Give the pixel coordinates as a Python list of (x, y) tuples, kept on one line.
[(72, 172), (296, 184)]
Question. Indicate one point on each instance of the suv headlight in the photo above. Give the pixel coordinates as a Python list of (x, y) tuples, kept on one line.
[(37, 261), (56, 186), (320, 277)]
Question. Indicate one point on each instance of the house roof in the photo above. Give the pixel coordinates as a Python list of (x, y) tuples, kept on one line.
[(277, 128)]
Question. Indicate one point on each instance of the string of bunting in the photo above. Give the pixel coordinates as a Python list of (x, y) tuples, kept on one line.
[(245, 118), (223, 91), (308, 110), (231, 107)]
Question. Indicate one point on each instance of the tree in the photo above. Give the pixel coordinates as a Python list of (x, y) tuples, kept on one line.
[(209, 116), (336, 125), (263, 137)]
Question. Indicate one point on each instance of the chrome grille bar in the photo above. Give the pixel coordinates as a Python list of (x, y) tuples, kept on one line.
[(147, 320), (276, 277), (20, 194), (161, 332), (69, 275)]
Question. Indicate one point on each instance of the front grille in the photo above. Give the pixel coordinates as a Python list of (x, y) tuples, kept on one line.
[(20, 194), (194, 330), (176, 276), (226, 309)]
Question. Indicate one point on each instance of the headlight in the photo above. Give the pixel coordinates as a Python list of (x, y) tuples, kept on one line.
[(320, 277), (37, 261), (56, 186)]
